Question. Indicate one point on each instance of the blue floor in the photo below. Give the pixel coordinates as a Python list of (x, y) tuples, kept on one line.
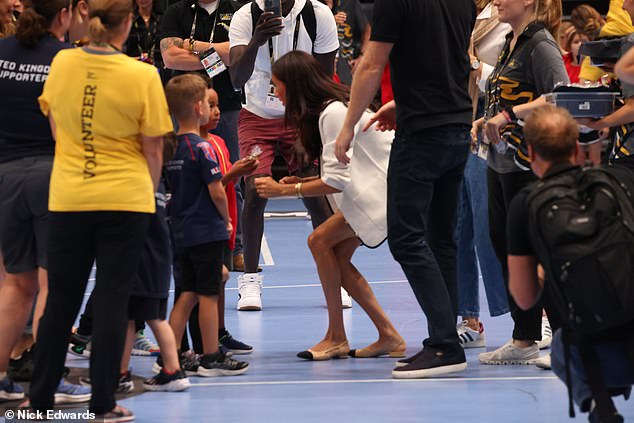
[(282, 388)]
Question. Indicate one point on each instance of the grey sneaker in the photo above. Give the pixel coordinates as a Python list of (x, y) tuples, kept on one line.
[(543, 362), (510, 354)]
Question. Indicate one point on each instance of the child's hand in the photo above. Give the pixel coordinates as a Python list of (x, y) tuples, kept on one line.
[(267, 187), (245, 166)]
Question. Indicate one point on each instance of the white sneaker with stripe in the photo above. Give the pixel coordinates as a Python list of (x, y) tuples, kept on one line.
[(470, 338)]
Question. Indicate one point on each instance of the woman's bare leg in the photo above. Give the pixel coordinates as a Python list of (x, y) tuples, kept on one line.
[(321, 243), (357, 286)]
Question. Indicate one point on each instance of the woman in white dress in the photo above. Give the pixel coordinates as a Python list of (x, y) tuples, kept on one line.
[(357, 192)]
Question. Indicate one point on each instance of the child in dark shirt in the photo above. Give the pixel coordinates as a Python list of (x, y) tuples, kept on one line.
[(200, 222)]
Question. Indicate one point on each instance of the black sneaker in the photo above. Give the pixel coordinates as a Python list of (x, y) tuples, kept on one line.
[(405, 361), (189, 362), (125, 386), (79, 345), (219, 364), (233, 345), (21, 369), (432, 362), (175, 382)]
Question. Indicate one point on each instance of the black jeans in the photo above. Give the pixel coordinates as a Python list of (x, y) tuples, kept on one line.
[(424, 178), (502, 188), (115, 240)]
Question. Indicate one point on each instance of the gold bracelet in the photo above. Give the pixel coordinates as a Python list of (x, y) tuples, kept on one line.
[(298, 190)]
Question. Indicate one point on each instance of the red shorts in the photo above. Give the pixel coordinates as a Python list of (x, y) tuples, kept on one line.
[(270, 135)]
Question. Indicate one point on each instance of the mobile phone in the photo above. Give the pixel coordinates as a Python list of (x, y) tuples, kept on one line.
[(273, 6)]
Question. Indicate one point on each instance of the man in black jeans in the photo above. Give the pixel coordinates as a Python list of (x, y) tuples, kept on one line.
[(426, 44)]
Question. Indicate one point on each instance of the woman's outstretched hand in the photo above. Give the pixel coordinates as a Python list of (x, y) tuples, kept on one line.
[(267, 187)]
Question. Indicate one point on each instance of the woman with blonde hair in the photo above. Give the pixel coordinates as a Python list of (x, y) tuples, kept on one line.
[(512, 92), (108, 115)]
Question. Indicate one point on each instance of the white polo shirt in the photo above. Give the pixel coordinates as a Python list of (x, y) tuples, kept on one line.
[(240, 34)]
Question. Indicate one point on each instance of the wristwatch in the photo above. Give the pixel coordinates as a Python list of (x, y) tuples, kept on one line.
[(475, 64)]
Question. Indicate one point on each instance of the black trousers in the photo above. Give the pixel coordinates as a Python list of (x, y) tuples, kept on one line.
[(76, 239), (424, 179), (502, 188)]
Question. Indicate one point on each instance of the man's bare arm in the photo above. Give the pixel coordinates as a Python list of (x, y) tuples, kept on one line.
[(177, 56)]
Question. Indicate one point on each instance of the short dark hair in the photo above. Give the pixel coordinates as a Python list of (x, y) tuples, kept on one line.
[(552, 133)]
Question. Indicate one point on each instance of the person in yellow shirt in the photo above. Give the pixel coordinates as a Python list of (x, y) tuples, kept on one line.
[(108, 114)]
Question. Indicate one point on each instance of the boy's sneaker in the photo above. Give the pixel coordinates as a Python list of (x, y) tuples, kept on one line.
[(219, 364), (144, 347), (250, 292), (543, 362), (510, 354), (10, 391), (547, 334), (175, 382), (346, 300), (189, 362), (79, 345), (470, 338), (125, 386), (21, 369), (68, 393), (117, 415), (232, 345), (432, 362)]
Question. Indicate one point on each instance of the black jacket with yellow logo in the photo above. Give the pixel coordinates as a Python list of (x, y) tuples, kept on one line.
[(521, 75)]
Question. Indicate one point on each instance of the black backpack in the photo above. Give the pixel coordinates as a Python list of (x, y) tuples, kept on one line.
[(583, 222), (307, 13), (582, 226)]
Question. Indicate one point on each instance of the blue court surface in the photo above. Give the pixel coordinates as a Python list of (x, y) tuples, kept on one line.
[(279, 387)]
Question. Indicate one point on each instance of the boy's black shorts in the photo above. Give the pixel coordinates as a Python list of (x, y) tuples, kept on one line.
[(201, 268), (144, 309)]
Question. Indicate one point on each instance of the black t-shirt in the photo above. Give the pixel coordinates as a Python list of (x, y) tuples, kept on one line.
[(429, 61), (177, 22), (24, 130)]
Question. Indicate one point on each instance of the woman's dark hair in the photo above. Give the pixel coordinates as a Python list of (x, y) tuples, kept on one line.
[(308, 91), (35, 21)]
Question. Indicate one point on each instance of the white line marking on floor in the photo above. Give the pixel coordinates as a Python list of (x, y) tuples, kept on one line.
[(266, 253), (326, 382), (308, 285), (314, 285)]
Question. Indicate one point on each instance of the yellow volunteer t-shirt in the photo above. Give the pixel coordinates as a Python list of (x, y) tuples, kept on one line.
[(617, 24), (101, 103)]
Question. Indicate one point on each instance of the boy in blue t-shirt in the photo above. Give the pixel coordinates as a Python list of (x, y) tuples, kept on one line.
[(200, 222)]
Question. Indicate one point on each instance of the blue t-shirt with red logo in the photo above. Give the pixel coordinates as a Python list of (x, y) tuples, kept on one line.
[(193, 215)]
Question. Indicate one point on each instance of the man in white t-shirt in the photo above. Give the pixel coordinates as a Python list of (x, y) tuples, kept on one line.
[(306, 25)]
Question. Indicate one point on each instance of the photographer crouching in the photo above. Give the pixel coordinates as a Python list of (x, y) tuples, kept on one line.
[(579, 225)]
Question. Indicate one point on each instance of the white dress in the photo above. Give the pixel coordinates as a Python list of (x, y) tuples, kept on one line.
[(363, 183)]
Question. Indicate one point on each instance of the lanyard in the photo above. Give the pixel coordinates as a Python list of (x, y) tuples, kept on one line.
[(213, 28), (295, 39), (149, 35)]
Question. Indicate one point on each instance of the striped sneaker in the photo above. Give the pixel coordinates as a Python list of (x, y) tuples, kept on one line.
[(470, 338), (547, 334), (144, 347)]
